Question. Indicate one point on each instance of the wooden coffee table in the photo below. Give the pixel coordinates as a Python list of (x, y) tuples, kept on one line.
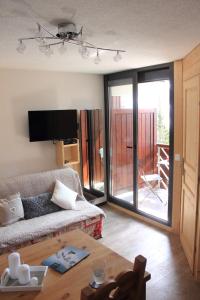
[(65, 286)]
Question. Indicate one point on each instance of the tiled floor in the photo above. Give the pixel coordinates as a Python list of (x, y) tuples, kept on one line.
[(171, 276)]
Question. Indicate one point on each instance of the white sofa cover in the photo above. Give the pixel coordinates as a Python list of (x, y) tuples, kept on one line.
[(34, 184)]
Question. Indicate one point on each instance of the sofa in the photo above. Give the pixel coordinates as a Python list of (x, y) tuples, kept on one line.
[(86, 216)]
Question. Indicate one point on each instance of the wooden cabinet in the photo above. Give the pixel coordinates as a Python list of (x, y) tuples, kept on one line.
[(68, 155)]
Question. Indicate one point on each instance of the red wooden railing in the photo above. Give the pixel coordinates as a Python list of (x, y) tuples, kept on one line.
[(163, 163)]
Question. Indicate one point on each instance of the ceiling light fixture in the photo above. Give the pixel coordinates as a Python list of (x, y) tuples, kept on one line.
[(117, 57), (97, 59), (84, 52), (48, 51), (67, 33), (21, 47), (41, 46), (62, 49)]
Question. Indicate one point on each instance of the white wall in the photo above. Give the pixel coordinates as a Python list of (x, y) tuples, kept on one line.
[(21, 91)]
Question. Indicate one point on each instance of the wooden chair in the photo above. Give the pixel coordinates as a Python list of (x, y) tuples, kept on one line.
[(128, 285)]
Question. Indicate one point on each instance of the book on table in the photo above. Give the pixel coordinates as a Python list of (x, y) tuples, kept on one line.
[(65, 259)]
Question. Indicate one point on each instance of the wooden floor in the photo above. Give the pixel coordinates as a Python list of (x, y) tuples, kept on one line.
[(171, 276)]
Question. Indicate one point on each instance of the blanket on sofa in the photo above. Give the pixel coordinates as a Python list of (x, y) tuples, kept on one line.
[(26, 230)]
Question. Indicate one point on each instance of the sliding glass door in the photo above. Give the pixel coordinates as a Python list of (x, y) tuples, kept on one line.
[(92, 151), (139, 116), (153, 148), (121, 140), (97, 150)]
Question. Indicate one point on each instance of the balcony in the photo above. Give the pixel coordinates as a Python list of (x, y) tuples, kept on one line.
[(153, 160)]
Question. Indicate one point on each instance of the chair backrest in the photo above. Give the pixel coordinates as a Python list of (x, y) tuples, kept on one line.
[(128, 285)]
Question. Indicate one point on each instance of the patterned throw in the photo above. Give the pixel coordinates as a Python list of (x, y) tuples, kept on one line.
[(92, 226)]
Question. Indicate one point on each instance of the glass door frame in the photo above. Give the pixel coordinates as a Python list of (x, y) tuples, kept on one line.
[(90, 144), (127, 78), (147, 74)]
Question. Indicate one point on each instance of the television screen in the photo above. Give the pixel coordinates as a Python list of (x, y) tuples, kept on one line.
[(45, 125)]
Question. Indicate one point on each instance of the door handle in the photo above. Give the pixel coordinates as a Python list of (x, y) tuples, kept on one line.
[(129, 147)]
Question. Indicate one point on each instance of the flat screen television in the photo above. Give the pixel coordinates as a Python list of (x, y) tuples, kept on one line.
[(45, 125)]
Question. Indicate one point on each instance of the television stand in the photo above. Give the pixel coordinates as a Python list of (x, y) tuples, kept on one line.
[(68, 155)]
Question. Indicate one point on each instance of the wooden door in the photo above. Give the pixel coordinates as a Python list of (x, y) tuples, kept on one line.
[(189, 199)]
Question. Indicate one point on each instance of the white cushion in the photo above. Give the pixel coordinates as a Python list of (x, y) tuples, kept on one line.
[(11, 210), (64, 196)]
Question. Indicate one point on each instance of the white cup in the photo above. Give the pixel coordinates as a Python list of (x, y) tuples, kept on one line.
[(23, 273), (98, 271)]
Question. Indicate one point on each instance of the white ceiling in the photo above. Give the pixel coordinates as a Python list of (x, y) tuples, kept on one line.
[(151, 31)]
